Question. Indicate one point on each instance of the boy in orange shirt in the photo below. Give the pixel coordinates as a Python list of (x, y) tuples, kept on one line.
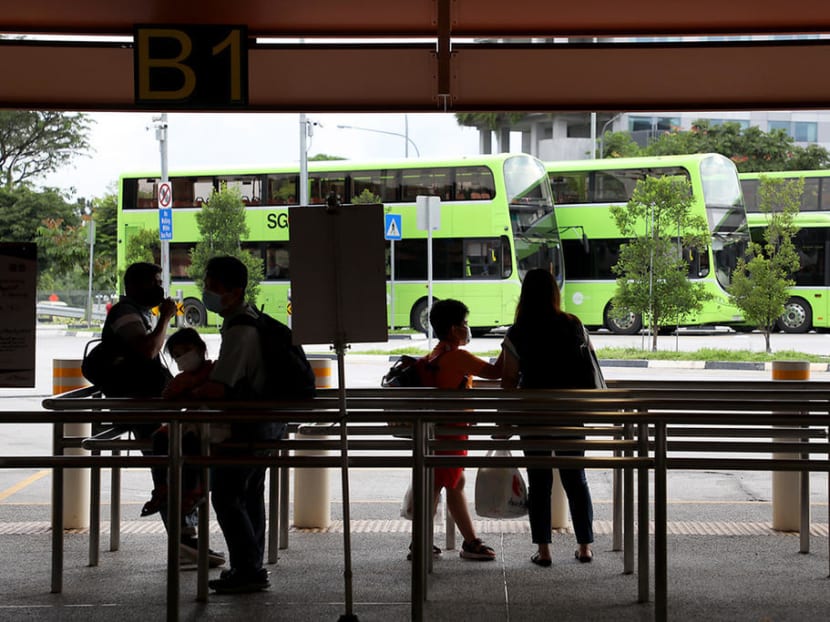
[(454, 369)]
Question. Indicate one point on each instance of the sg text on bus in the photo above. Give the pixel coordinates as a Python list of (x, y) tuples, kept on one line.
[(277, 220)]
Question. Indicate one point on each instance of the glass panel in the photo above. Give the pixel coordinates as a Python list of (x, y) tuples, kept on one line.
[(282, 189), (249, 187), (805, 131), (180, 261), (749, 187), (380, 184), (482, 258), (436, 182), (809, 200), (825, 194), (474, 183), (276, 262), (569, 188), (321, 185), (811, 247)]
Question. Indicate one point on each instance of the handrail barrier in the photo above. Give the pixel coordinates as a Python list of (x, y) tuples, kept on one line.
[(650, 415)]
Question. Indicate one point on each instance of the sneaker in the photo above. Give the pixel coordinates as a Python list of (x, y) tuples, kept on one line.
[(436, 553), (235, 582), (477, 550), (189, 555)]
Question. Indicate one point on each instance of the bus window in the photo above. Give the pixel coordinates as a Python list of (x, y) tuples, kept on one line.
[(474, 183), (323, 184), (825, 195), (381, 184), (283, 189), (811, 245), (426, 181), (180, 261), (140, 194), (608, 187), (482, 259), (569, 188), (276, 262), (750, 192), (249, 187), (809, 199), (202, 190)]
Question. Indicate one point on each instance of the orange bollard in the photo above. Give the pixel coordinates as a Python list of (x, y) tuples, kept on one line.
[(67, 376), (786, 490)]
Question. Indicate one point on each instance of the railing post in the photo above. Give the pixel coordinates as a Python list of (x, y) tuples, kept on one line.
[(628, 507), (660, 542), (174, 517), (642, 519), (418, 522)]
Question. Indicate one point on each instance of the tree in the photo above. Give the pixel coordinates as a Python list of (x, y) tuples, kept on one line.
[(222, 226), (34, 143), (23, 211), (749, 148), (63, 255), (652, 272), (489, 120), (105, 213), (367, 197), (760, 282), (324, 157)]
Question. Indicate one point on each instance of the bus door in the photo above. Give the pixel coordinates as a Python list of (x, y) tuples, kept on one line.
[(487, 263)]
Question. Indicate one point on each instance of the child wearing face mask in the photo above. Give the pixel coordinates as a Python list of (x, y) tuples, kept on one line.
[(454, 369), (189, 352)]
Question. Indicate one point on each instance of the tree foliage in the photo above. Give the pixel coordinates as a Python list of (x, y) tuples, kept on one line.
[(489, 120), (751, 149), (760, 282), (63, 255), (652, 272), (105, 214), (367, 197), (23, 211), (34, 143), (222, 226)]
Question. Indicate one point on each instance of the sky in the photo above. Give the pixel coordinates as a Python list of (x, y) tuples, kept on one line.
[(125, 142)]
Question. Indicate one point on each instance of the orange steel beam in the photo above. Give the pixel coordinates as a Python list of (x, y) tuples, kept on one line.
[(495, 18), (405, 78)]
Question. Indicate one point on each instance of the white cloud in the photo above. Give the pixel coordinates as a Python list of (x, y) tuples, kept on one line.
[(125, 142)]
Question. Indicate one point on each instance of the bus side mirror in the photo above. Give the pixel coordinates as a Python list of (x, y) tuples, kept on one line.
[(586, 246)]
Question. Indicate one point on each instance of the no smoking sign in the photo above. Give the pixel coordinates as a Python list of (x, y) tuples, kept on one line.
[(165, 194)]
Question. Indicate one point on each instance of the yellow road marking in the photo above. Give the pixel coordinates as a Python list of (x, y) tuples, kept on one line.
[(21, 485)]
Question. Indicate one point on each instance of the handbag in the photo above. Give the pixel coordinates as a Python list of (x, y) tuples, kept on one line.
[(500, 492), (589, 357)]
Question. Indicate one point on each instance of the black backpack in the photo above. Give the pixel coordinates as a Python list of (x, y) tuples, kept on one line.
[(289, 373)]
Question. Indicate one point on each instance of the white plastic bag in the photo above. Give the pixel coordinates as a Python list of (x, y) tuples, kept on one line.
[(406, 506), (500, 492)]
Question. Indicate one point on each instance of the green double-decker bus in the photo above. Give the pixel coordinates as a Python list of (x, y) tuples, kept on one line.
[(583, 192), (808, 305), (496, 222)]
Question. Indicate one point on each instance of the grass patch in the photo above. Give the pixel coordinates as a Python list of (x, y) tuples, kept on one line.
[(704, 354)]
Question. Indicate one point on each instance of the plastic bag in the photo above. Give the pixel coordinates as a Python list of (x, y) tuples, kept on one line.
[(500, 492)]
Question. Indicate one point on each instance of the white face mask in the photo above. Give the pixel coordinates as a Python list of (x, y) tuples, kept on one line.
[(212, 301), (469, 336), (189, 361)]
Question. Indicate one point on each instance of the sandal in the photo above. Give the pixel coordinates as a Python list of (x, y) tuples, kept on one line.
[(477, 550), (540, 561), (436, 553)]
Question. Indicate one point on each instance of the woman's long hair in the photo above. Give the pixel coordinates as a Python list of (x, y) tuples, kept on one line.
[(540, 298)]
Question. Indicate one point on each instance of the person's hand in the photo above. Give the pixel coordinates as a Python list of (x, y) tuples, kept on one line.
[(167, 309)]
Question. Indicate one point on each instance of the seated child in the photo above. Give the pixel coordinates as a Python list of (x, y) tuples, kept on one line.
[(190, 353), (455, 370)]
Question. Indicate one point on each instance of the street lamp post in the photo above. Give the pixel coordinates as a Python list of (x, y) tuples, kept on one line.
[(405, 136)]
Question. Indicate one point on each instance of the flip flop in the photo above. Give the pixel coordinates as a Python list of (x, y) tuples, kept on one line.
[(540, 561)]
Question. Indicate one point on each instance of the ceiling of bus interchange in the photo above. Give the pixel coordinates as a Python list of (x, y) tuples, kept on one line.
[(430, 75)]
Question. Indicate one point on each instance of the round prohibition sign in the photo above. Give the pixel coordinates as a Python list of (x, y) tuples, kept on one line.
[(165, 194)]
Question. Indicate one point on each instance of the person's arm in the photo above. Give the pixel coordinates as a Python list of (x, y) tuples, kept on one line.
[(211, 390), (510, 366), (151, 344), (481, 368)]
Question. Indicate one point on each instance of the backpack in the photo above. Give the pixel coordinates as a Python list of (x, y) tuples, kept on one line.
[(289, 373), (115, 370), (411, 372)]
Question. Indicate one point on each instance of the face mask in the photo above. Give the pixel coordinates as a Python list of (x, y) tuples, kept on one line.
[(189, 361), (154, 296), (469, 336), (212, 301)]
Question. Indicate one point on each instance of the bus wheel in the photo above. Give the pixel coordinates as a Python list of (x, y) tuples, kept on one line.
[(629, 324), (419, 317), (195, 313), (797, 316)]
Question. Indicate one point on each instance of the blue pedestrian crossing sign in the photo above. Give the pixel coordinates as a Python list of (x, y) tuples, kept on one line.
[(165, 223), (392, 227)]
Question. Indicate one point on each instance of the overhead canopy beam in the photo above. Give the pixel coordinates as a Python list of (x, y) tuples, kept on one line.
[(474, 18), (483, 77)]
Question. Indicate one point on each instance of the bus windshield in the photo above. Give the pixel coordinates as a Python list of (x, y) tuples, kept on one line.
[(726, 215), (532, 219)]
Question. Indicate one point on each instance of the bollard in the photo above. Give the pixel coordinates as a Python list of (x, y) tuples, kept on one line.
[(67, 376), (312, 491), (785, 485), (558, 503)]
